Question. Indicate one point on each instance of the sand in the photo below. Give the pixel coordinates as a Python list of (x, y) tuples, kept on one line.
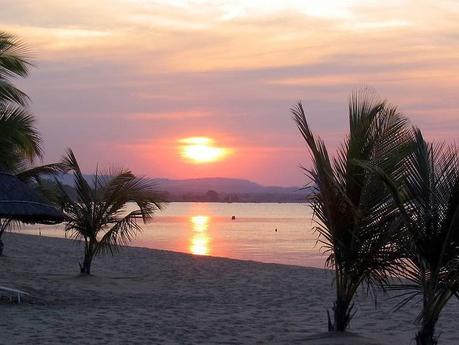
[(144, 296)]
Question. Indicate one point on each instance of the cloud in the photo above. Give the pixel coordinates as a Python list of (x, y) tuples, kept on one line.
[(169, 116), (113, 75)]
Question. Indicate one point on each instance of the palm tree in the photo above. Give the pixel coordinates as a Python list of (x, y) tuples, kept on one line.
[(100, 215), (14, 63), (354, 220), (428, 200)]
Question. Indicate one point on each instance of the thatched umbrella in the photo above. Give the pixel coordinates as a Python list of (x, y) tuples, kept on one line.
[(19, 202)]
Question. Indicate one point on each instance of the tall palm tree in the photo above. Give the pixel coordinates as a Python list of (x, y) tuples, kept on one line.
[(100, 215), (20, 141), (14, 63), (354, 220), (428, 200)]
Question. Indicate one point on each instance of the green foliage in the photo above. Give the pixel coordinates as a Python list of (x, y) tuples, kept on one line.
[(101, 215), (355, 221)]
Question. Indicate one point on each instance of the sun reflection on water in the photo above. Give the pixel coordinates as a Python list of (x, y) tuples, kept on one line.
[(200, 240)]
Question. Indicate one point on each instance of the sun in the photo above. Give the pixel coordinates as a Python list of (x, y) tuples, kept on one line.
[(200, 150)]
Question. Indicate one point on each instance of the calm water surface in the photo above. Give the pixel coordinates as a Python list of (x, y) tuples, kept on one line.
[(208, 229)]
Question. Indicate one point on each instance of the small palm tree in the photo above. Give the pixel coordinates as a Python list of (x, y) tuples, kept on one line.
[(428, 199), (355, 221), (14, 63), (100, 215)]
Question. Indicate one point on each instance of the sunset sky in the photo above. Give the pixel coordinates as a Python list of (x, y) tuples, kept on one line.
[(124, 82)]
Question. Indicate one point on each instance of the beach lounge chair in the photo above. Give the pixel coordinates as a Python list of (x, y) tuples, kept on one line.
[(12, 292)]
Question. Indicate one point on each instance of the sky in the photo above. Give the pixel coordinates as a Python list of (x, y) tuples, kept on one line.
[(123, 82)]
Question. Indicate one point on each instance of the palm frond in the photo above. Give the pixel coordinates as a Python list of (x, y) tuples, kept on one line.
[(14, 56), (19, 138), (11, 94), (83, 189), (36, 172), (14, 62), (121, 233)]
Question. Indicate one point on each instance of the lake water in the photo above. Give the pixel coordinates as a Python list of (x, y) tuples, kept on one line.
[(208, 229)]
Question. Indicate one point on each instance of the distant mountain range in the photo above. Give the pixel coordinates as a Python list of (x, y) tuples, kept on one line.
[(228, 190), (220, 189)]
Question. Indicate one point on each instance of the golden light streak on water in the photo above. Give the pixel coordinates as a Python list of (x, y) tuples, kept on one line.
[(200, 239)]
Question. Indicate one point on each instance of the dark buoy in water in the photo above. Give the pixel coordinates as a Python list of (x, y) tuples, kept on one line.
[(233, 217)]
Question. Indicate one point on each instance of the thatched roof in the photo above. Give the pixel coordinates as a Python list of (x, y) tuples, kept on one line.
[(20, 202)]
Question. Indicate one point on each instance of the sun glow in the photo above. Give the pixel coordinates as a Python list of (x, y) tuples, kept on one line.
[(201, 150), (200, 240)]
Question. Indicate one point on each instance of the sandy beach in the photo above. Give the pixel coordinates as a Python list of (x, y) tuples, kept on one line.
[(144, 296)]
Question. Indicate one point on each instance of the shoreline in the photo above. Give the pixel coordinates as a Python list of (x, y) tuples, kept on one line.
[(142, 296)]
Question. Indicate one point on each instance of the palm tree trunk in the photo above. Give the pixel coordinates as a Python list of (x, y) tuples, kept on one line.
[(425, 335), (341, 316), (342, 307), (3, 225), (85, 268)]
